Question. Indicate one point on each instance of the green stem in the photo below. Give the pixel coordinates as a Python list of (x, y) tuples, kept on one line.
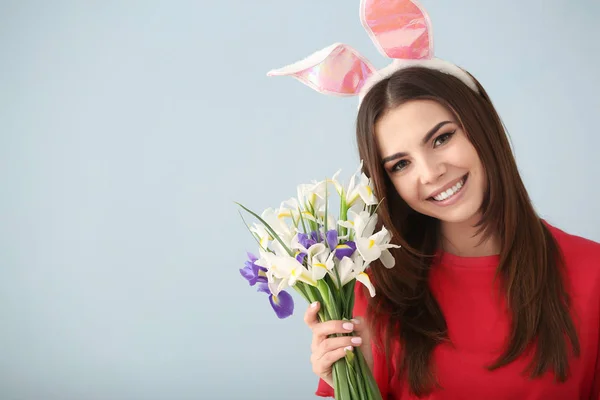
[(360, 372), (314, 295), (300, 289), (326, 209), (340, 382), (329, 300), (336, 382), (343, 312), (343, 213), (302, 219), (313, 224), (269, 229), (352, 377), (371, 387)]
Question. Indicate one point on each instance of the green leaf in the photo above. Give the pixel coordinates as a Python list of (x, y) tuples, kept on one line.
[(350, 360), (271, 231), (313, 225), (371, 387), (343, 215), (351, 376), (360, 384), (336, 381), (376, 207), (254, 235), (299, 287), (348, 290), (342, 297), (302, 219), (329, 299), (340, 381), (314, 295)]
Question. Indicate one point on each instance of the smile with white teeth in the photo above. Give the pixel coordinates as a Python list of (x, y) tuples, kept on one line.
[(450, 192)]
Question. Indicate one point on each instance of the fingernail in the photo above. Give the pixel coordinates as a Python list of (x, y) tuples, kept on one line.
[(347, 326), (356, 321), (348, 348), (313, 305), (356, 340)]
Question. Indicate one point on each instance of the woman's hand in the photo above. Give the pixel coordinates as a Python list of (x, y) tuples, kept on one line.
[(327, 350)]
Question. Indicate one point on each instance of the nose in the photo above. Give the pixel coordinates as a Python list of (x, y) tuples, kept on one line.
[(431, 170)]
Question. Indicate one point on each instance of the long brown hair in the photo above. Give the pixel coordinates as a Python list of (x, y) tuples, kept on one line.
[(531, 268)]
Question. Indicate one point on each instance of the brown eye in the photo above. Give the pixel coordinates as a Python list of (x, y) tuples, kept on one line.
[(443, 138), (400, 165)]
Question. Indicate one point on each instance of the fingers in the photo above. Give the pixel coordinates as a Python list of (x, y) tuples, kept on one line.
[(328, 348), (310, 316), (331, 327), (361, 329), (322, 366), (324, 329), (335, 343), (327, 328)]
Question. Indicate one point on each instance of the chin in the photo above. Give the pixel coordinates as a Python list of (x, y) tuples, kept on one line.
[(473, 218)]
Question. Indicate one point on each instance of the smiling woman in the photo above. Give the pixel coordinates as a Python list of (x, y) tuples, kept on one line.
[(439, 156), (432, 171), (487, 300)]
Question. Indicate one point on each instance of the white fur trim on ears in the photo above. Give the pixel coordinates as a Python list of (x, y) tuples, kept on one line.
[(433, 63)]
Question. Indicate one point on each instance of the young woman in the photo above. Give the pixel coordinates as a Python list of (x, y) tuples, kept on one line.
[(487, 300)]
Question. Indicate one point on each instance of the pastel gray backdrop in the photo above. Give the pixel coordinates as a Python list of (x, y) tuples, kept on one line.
[(129, 128)]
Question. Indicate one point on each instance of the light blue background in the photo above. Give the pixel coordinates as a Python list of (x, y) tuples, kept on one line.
[(128, 128)]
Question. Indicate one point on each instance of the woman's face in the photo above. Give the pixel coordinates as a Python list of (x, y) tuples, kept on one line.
[(431, 162)]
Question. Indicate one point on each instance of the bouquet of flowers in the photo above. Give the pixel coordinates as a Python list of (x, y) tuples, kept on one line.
[(301, 245)]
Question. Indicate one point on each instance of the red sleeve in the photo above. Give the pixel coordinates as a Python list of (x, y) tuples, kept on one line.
[(380, 371), (595, 395)]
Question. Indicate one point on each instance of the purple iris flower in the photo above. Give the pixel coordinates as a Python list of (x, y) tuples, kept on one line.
[(305, 241), (345, 249), (251, 271), (300, 257), (283, 304), (316, 236), (332, 238)]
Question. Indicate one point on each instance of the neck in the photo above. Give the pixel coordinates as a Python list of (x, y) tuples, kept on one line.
[(461, 239)]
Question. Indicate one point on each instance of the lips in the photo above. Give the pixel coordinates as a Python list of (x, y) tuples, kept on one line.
[(450, 185)]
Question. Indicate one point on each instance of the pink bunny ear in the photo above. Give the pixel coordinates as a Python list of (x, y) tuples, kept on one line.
[(337, 69), (399, 28)]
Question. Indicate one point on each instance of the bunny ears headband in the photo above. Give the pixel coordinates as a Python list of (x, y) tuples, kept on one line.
[(401, 31)]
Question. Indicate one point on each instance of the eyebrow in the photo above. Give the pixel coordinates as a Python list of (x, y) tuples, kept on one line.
[(424, 141)]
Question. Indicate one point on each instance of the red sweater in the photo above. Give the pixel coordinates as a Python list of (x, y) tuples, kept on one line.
[(478, 326)]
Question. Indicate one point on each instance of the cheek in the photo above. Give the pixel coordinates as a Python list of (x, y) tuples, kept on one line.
[(476, 166), (464, 154), (483, 179), (406, 190), (475, 162)]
